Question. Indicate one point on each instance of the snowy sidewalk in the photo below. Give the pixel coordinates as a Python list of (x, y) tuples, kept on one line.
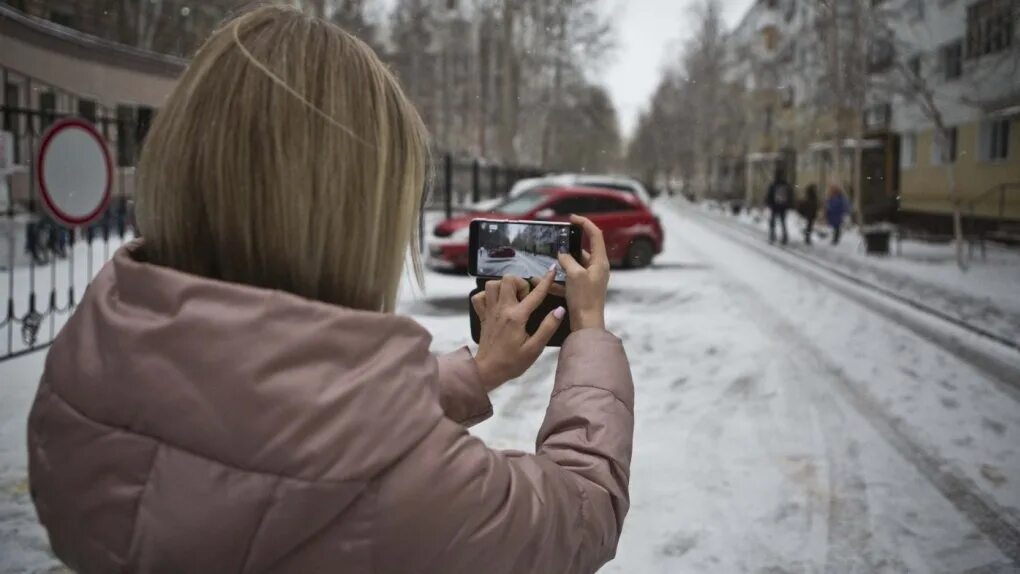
[(779, 427), (987, 294)]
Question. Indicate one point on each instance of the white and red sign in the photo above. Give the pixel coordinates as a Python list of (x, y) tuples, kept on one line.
[(74, 171)]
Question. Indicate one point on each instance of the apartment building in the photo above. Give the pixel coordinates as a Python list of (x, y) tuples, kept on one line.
[(853, 95), (965, 56)]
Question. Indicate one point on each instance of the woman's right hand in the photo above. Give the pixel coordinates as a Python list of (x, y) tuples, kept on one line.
[(587, 283)]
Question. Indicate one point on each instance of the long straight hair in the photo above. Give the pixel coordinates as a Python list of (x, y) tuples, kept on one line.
[(288, 158)]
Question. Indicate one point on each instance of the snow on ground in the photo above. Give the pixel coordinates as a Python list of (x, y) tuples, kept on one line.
[(522, 264), (780, 427), (985, 294), (81, 264)]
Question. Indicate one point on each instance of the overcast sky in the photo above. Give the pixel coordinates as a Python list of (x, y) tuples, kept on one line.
[(649, 31)]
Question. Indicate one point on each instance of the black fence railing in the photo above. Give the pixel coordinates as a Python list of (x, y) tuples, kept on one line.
[(461, 181), (45, 267)]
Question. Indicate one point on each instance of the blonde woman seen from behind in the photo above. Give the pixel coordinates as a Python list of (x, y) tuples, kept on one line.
[(235, 394)]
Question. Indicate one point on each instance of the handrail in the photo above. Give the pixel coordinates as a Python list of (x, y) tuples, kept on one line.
[(999, 190)]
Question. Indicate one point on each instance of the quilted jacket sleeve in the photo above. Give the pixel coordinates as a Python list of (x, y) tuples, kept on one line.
[(454, 505)]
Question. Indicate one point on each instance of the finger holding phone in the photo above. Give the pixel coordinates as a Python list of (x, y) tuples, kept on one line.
[(588, 280), (505, 349)]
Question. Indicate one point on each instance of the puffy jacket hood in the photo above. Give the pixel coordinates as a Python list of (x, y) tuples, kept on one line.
[(269, 393)]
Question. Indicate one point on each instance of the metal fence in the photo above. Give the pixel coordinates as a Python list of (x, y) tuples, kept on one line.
[(45, 267), (461, 181)]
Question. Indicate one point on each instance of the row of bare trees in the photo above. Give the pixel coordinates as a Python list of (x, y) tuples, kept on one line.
[(843, 59), (507, 80), (695, 118)]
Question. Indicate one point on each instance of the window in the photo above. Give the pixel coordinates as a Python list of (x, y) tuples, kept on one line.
[(521, 204), (786, 97), (994, 142), (87, 109), (952, 60), (12, 98), (145, 116), (126, 144), (48, 107), (610, 186), (606, 205), (908, 150), (877, 116), (914, 66), (62, 18), (770, 36), (916, 9), (943, 149), (989, 27), (568, 205), (880, 55)]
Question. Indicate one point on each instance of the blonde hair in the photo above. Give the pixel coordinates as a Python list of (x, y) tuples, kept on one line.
[(288, 158)]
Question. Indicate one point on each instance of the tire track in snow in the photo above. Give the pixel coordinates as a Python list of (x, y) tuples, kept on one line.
[(986, 514), (844, 502), (1000, 367)]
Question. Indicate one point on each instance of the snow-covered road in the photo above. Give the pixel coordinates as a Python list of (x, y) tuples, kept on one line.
[(523, 264), (781, 427)]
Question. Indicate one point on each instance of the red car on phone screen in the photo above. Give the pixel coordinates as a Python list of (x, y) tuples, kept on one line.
[(632, 232)]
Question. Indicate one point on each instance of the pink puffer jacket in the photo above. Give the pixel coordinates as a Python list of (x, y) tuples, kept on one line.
[(189, 425)]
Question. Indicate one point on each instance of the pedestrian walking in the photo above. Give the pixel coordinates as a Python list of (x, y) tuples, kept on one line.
[(836, 208), (234, 392), (809, 210), (778, 199)]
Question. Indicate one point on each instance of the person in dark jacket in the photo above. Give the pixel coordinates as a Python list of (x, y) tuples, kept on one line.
[(778, 200), (836, 208), (809, 209)]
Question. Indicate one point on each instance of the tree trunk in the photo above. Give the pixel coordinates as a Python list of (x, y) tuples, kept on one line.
[(858, 176), (560, 55), (940, 137), (961, 261), (859, 87), (508, 96), (152, 24)]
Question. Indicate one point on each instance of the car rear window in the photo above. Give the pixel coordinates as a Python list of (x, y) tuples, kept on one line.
[(611, 186), (521, 204)]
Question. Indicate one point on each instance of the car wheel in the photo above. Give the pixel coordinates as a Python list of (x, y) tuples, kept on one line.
[(639, 254)]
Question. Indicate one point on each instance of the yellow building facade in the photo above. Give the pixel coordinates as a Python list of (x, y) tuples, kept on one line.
[(986, 187)]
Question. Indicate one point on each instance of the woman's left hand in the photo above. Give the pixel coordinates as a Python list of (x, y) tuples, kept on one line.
[(505, 350)]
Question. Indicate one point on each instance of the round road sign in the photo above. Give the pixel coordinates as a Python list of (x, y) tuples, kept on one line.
[(74, 172)]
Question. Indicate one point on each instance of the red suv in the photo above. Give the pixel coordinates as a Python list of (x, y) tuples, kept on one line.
[(633, 234)]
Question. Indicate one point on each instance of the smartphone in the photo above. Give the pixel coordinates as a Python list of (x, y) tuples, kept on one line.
[(522, 248)]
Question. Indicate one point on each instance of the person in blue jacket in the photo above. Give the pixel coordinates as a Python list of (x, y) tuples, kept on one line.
[(836, 208)]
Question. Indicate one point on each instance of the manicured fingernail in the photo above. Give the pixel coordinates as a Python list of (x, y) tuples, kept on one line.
[(559, 312), (552, 267)]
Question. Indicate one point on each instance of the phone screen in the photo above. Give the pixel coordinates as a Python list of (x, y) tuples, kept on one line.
[(524, 249)]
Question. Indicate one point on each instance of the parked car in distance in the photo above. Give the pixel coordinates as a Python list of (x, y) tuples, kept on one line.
[(504, 252), (632, 232)]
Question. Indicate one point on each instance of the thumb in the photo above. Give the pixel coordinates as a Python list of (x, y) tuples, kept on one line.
[(545, 331)]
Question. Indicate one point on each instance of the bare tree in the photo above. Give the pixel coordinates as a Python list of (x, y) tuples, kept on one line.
[(916, 78)]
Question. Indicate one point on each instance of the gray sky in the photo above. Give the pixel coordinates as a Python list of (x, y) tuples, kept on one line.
[(649, 31)]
